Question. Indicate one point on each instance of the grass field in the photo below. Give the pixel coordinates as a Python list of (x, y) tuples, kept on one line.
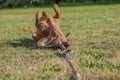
[(95, 40)]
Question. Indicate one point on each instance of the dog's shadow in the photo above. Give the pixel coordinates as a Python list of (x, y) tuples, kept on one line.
[(27, 43)]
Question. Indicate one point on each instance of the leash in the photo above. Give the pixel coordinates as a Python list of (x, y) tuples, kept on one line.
[(66, 56)]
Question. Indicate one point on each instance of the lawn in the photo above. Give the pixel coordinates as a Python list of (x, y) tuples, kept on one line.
[(95, 40)]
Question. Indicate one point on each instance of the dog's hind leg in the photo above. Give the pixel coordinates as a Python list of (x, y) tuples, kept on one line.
[(38, 16), (57, 11)]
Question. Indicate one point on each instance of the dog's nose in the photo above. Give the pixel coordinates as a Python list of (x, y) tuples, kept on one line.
[(66, 44)]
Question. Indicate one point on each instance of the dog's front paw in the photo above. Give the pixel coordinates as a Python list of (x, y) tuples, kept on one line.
[(27, 29)]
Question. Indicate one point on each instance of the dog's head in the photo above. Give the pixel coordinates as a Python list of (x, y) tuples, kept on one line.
[(61, 43)]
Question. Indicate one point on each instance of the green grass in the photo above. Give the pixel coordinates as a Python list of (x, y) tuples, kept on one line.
[(95, 40)]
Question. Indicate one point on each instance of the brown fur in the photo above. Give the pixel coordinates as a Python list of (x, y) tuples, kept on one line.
[(48, 30)]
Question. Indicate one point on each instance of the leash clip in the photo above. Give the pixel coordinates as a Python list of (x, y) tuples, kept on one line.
[(64, 54)]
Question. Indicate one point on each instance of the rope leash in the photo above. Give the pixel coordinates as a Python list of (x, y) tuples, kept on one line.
[(66, 56)]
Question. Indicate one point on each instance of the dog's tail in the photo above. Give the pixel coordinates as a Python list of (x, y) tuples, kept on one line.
[(67, 34)]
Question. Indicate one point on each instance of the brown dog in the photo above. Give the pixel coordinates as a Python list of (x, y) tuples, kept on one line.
[(48, 30)]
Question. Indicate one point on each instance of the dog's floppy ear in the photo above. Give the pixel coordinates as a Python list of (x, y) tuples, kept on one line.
[(44, 41)]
